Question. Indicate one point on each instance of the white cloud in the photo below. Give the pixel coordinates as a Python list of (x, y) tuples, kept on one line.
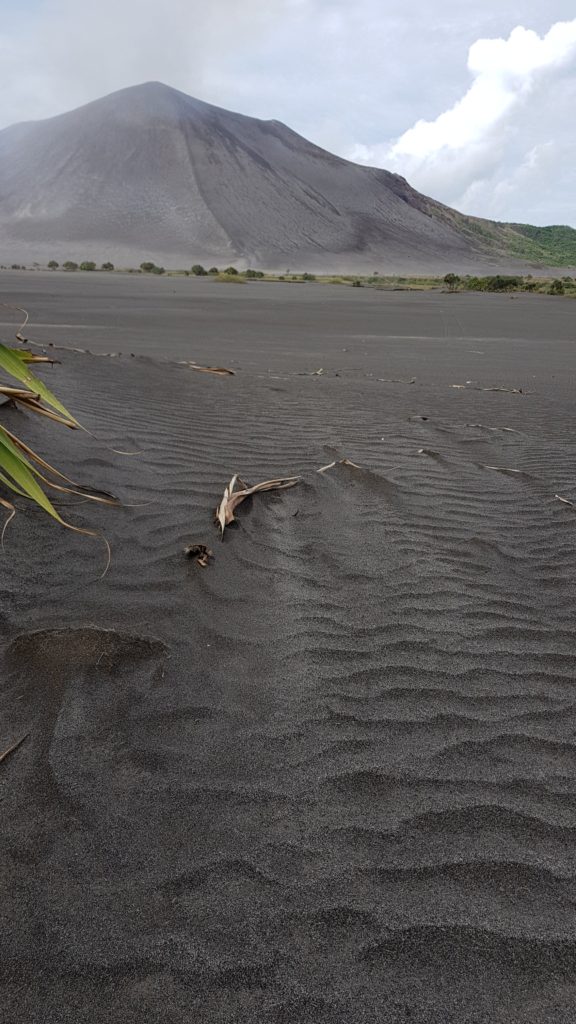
[(505, 71), (489, 147)]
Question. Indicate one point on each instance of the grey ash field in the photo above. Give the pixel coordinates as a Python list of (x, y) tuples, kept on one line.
[(332, 777)]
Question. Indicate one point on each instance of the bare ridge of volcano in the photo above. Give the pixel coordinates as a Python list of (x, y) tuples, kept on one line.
[(150, 173)]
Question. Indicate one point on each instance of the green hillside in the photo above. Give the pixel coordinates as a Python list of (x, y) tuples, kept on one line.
[(553, 246), (558, 242)]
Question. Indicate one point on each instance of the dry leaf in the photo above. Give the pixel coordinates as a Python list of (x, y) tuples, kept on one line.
[(221, 371), (10, 750), (509, 391), (199, 552), (340, 462), (482, 426), (394, 380), (232, 498)]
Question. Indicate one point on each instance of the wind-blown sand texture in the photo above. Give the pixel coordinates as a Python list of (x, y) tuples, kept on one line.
[(149, 173), (330, 777)]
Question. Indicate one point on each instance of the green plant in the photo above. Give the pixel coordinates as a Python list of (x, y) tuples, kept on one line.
[(556, 288), (107, 266), (452, 280), (230, 270), (53, 265), (230, 279), (157, 270), (22, 471), (70, 265), (213, 270), (147, 267), (198, 270), (87, 265), (308, 277)]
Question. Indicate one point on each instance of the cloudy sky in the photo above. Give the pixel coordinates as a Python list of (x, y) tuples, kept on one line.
[(474, 103)]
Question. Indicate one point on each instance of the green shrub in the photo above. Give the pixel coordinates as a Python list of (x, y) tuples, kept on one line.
[(198, 270), (87, 265), (70, 265), (452, 280), (230, 279), (107, 266), (231, 271), (213, 270), (53, 265), (556, 288), (497, 283)]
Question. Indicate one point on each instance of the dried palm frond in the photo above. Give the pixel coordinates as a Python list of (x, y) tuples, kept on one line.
[(222, 371), (232, 498), (339, 462), (10, 750)]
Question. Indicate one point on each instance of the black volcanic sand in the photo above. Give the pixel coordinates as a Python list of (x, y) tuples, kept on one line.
[(332, 777)]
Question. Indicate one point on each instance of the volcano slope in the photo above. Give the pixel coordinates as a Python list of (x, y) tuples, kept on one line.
[(150, 173)]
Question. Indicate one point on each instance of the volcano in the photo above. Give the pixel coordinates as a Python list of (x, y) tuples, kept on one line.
[(151, 173)]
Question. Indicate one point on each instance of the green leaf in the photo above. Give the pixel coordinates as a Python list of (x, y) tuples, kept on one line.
[(11, 362), (17, 473)]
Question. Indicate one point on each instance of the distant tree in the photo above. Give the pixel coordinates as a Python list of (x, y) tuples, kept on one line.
[(308, 277), (157, 270), (213, 270), (147, 267), (53, 265), (556, 288), (87, 265), (70, 265), (107, 266), (230, 270), (503, 283), (198, 270), (452, 280)]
